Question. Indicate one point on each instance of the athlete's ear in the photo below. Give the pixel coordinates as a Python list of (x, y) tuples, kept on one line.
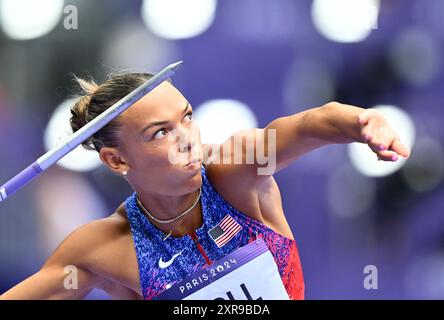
[(114, 159)]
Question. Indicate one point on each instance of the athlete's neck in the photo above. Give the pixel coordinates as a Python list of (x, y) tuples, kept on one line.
[(169, 207)]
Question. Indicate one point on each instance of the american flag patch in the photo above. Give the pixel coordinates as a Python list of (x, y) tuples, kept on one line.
[(225, 230)]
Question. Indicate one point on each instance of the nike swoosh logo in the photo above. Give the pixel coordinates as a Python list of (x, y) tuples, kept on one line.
[(164, 265)]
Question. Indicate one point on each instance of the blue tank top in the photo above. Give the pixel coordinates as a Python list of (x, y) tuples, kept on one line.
[(192, 253)]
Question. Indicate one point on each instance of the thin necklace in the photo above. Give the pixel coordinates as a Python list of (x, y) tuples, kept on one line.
[(173, 219)]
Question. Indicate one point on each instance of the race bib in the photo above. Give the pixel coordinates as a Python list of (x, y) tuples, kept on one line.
[(248, 273)]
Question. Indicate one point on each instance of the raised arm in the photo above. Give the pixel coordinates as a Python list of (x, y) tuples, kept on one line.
[(334, 123), (285, 139)]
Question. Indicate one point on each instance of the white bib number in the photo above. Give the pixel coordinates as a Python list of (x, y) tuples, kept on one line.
[(248, 273)]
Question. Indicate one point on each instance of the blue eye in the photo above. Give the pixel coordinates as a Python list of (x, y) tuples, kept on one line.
[(156, 134), (190, 114)]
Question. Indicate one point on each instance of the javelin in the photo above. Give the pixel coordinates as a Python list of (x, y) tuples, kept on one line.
[(55, 154)]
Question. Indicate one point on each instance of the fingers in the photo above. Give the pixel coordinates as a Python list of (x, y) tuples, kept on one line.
[(400, 148), (364, 118), (374, 137), (380, 137), (387, 155), (382, 152), (384, 144)]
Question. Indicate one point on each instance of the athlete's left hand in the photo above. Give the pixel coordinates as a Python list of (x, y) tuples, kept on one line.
[(380, 137)]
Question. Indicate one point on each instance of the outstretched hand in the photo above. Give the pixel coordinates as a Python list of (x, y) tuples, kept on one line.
[(380, 137)]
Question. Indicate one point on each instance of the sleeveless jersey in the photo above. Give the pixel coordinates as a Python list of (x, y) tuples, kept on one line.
[(163, 263)]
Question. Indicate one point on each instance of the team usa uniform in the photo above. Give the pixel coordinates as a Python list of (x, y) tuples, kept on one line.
[(164, 263)]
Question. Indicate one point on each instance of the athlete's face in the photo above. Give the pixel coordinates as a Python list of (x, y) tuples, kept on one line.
[(158, 139)]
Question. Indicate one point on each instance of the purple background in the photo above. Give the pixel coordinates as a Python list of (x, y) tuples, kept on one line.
[(262, 64)]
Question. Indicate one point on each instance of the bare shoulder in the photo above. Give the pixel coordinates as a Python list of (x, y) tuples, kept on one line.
[(91, 237), (241, 196), (234, 182), (105, 248)]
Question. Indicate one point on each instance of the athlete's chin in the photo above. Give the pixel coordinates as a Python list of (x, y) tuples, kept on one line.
[(186, 172), (192, 174)]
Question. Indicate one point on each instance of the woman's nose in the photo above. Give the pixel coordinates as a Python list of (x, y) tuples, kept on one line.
[(187, 146), (187, 141), (187, 137)]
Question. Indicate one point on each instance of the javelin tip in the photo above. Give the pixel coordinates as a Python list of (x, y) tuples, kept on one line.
[(175, 65)]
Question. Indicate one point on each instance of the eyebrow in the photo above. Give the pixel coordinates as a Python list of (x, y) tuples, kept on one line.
[(159, 123)]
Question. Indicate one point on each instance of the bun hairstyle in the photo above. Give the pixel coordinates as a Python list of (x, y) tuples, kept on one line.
[(95, 99)]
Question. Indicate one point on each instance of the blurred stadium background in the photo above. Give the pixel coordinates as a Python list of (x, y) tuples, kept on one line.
[(245, 63)]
